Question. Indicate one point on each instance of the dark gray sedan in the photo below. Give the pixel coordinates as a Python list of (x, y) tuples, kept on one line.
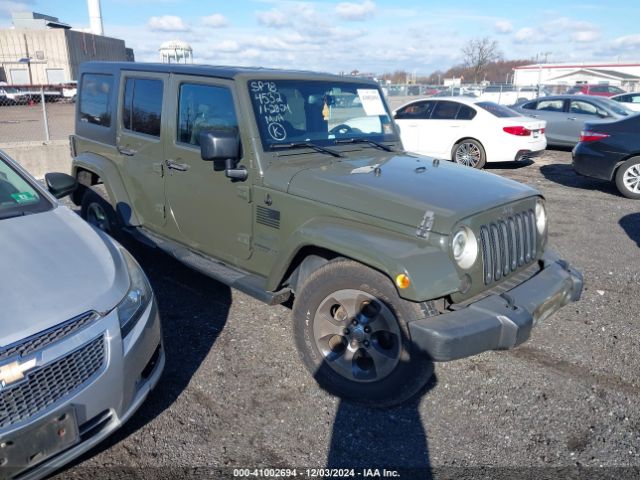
[(566, 115)]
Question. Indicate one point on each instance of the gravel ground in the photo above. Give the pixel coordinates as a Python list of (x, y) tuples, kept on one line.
[(234, 393)]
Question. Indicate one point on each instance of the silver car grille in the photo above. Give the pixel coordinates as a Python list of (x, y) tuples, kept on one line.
[(507, 245), (50, 383), (43, 339)]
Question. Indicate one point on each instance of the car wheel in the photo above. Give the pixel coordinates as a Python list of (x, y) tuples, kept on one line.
[(98, 212), (470, 153), (628, 178), (351, 330)]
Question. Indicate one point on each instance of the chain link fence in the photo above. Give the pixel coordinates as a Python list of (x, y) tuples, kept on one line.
[(35, 114)]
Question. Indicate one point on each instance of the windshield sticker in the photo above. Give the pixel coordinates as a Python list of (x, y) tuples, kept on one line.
[(24, 197), (277, 131), (326, 113), (387, 129), (371, 101), (367, 169)]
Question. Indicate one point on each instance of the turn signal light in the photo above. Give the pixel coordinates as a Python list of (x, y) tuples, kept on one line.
[(403, 281), (518, 130), (589, 136)]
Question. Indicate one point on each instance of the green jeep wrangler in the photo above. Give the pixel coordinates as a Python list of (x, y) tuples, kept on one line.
[(294, 188)]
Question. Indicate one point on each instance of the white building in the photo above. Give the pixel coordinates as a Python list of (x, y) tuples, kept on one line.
[(176, 51), (625, 75)]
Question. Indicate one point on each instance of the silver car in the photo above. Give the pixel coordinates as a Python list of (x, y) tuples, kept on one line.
[(79, 328), (566, 114)]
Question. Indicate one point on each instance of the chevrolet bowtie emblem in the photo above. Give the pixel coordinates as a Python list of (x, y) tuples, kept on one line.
[(14, 371)]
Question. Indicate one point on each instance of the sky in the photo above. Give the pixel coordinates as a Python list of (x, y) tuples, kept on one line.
[(372, 36)]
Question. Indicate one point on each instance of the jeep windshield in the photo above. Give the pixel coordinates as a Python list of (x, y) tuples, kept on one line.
[(323, 113), (17, 196)]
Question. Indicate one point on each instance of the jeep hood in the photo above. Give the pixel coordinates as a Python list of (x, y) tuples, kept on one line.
[(55, 267), (403, 188)]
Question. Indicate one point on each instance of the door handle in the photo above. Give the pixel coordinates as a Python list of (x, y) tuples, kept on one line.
[(127, 151), (573, 119), (173, 165)]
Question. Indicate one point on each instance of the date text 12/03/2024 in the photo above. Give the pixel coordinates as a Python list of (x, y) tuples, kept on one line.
[(315, 473)]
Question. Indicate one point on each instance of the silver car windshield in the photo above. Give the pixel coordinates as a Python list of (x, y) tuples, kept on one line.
[(320, 112), (17, 196)]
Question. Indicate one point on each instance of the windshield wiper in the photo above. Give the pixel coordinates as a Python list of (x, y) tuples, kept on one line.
[(365, 140), (317, 148), (11, 214)]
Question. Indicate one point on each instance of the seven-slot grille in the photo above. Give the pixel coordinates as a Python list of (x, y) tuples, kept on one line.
[(50, 383), (507, 245)]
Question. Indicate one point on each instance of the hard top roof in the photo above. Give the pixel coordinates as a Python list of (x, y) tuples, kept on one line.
[(217, 71)]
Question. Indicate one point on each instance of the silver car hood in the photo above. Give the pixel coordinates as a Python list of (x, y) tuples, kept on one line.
[(53, 267)]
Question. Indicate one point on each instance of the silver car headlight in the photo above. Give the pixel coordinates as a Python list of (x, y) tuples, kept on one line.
[(135, 302), (464, 246), (541, 217)]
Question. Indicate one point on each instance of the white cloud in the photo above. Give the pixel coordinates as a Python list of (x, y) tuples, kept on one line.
[(525, 35), (7, 7), (228, 46), (168, 23), (274, 18), (356, 11), (215, 21), (585, 36), (503, 26)]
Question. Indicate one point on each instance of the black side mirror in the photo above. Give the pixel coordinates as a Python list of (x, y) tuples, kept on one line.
[(223, 144), (60, 184)]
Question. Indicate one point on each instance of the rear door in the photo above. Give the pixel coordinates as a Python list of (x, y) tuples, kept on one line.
[(140, 149), (411, 121), (552, 111)]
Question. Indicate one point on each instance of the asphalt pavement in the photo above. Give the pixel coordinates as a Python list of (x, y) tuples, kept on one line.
[(234, 394)]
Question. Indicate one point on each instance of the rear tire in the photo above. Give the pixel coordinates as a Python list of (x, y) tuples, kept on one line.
[(470, 153), (628, 178), (351, 329)]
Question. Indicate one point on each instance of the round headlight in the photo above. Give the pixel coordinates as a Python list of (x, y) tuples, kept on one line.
[(541, 217), (464, 247)]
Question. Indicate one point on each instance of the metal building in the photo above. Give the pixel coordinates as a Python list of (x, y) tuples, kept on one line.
[(621, 74), (41, 50)]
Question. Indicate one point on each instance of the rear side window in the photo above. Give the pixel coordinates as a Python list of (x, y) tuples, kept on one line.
[(445, 111), (551, 105), (584, 108), (415, 111), (465, 113), (142, 108), (497, 110), (95, 96), (202, 108)]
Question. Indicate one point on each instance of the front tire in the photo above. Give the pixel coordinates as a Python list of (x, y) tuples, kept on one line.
[(351, 329), (628, 178), (470, 153)]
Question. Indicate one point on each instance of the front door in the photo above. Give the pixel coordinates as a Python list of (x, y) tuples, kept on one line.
[(443, 129), (207, 211), (141, 124)]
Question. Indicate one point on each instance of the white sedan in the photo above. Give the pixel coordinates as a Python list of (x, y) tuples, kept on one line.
[(469, 131), (629, 100)]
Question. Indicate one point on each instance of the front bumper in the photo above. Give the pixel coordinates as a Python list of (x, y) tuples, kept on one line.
[(132, 368), (499, 322)]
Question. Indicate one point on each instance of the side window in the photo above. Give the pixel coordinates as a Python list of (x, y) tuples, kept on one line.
[(445, 111), (583, 108), (551, 105), (95, 96), (634, 99), (465, 113), (530, 106), (415, 111), (142, 109), (600, 89), (203, 107)]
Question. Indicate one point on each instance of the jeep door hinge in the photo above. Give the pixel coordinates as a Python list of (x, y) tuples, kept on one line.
[(159, 168)]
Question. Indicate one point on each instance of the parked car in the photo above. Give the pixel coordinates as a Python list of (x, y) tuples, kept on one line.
[(629, 100), (511, 94), (565, 115), (12, 96), (390, 260), (469, 131), (455, 92), (597, 90), (80, 333), (611, 151)]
